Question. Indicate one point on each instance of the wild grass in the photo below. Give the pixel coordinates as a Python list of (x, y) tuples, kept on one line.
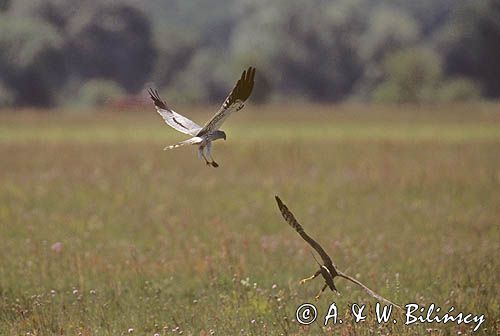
[(154, 241)]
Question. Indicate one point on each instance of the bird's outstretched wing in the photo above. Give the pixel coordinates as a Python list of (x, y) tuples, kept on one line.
[(172, 118), (234, 102), (290, 218), (368, 290)]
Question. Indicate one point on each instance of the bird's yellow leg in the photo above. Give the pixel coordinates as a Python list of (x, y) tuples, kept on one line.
[(303, 281), (321, 291)]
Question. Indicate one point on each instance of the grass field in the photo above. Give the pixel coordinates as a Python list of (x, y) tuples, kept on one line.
[(103, 233)]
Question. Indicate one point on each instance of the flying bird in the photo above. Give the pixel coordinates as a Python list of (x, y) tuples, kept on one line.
[(328, 270), (203, 136)]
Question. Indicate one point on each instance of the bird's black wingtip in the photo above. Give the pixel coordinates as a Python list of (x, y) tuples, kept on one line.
[(155, 96), (248, 75), (152, 93), (251, 72), (279, 201)]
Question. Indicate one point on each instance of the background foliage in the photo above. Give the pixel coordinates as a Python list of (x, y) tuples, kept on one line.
[(363, 50)]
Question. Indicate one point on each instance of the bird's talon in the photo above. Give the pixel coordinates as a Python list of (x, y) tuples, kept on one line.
[(215, 164), (303, 281)]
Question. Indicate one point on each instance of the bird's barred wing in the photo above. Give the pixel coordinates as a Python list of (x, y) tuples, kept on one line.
[(290, 218), (234, 102), (172, 118)]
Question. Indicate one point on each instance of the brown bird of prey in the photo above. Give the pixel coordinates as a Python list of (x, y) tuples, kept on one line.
[(203, 136), (328, 270)]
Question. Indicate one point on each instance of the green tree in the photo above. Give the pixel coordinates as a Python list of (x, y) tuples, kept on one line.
[(6, 95), (459, 90), (389, 30), (470, 43), (71, 43), (4, 5), (112, 42), (411, 76), (174, 56), (98, 92), (201, 80), (305, 49), (31, 60)]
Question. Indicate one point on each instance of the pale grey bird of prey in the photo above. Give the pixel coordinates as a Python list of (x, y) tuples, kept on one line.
[(203, 136), (328, 271)]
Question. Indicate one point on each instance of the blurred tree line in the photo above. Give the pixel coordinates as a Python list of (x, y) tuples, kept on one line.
[(57, 52)]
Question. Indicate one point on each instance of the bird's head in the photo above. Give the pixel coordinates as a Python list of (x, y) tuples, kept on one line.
[(219, 135)]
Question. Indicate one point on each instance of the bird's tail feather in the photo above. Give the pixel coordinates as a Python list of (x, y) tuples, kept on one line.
[(191, 141)]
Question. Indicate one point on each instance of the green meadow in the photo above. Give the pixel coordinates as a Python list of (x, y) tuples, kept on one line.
[(104, 233)]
